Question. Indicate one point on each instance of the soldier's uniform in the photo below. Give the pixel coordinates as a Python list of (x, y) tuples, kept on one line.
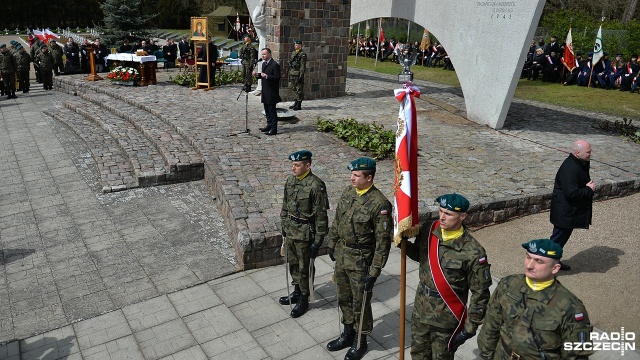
[(249, 56), (304, 221), (525, 323), (465, 266), (24, 65), (359, 241), (35, 50), (297, 67), (56, 51), (45, 62), (8, 67)]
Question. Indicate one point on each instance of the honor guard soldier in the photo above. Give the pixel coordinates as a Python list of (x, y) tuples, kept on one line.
[(24, 65), (532, 315), (452, 264), (359, 243), (297, 66), (304, 226), (249, 57), (8, 68)]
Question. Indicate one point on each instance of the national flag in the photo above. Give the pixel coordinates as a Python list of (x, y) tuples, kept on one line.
[(50, 34), (40, 35), (405, 209), (579, 316), (482, 260), (597, 48), (569, 59), (381, 30), (426, 40)]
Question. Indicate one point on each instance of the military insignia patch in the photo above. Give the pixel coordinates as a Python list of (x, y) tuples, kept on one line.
[(532, 247), (482, 260), (383, 212), (579, 316)]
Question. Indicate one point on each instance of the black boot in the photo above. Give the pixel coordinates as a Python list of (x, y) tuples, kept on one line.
[(301, 307), (344, 341), (357, 354), (295, 296), (296, 106), (292, 107)]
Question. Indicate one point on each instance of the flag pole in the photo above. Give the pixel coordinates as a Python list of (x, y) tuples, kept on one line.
[(408, 31), (403, 294), (358, 43), (378, 48)]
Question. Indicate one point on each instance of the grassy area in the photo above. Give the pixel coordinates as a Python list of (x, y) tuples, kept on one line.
[(612, 102)]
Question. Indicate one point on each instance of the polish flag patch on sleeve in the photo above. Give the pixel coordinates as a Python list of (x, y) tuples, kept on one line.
[(383, 212), (579, 316), (482, 260)]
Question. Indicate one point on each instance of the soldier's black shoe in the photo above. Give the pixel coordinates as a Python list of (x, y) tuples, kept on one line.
[(344, 341), (356, 354), (294, 105), (301, 307), (295, 296), (265, 129), (564, 267), (271, 132), (297, 106)]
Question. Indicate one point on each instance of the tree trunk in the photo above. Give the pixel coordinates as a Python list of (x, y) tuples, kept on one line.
[(629, 11)]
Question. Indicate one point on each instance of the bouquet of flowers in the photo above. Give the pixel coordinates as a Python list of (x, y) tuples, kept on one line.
[(122, 73)]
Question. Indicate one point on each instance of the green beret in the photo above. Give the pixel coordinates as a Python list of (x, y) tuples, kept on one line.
[(12, 42), (453, 202), (300, 155), (363, 163), (544, 247), (297, 42), (3, 46), (18, 47)]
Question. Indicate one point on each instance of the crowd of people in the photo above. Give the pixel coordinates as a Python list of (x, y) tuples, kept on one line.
[(432, 55)]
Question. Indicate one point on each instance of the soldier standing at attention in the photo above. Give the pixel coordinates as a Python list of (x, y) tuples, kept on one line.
[(45, 62), (452, 263), (8, 67), (359, 243), (56, 51), (304, 226), (249, 57), (24, 65), (297, 66), (532, 315)]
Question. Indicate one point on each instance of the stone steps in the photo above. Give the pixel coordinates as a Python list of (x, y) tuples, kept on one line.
[(149, 166), (115, 168)]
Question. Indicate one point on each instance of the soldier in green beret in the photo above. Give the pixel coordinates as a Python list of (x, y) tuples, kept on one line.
[(249, 57), (452, 264), (304, 226), (297, 66), (359, 243), (24, 65), (532, 315), (56, 51), (44, 59), (8, 68)]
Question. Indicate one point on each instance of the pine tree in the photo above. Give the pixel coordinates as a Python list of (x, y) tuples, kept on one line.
[(122, 19)]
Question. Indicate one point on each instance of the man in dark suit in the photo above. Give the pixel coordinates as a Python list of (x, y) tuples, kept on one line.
[(552, 46), (270, 96), (170, 52), (213, 59), (185, 47)]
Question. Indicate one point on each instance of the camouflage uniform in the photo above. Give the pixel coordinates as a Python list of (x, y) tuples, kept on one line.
[(304, 210), (554, 314), (249, 56), (297, 66), (57, 51), (24, 65), (464, 263), (45, 62), (361, 238), (35, 51), (8, 67)]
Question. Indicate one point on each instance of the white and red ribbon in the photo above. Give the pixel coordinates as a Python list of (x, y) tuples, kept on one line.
[(405, 209)]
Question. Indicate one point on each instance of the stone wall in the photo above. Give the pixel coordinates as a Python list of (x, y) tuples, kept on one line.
[(323, 28)]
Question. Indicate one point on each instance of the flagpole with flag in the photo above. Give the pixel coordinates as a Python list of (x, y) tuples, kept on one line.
[(424, 45), (238, 26), (597, 52), (358, 43), (405, 217), (569, 59)]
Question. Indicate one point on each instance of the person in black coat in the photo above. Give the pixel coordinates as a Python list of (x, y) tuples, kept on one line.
[(213, 59), (573, 189), (270, 95)]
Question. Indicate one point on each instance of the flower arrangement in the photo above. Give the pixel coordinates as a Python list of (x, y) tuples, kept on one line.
[(122, 73)]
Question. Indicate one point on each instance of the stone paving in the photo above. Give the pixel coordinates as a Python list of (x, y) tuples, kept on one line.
[(139, 274)]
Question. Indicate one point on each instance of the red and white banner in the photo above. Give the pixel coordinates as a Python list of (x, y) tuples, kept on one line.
[(405, 209), (381, 31), (50, 34), (40, 35), (568, 58)]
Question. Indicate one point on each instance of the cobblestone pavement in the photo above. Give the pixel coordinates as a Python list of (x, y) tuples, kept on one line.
[(139, 274)]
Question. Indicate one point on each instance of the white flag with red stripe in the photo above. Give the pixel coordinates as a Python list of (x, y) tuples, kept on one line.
[(405, 209), (569, 59), (40, 35)]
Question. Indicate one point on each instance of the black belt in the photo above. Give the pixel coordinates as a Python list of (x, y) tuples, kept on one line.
[(298, 220), (512, 354), (358, 246), (434, 293)]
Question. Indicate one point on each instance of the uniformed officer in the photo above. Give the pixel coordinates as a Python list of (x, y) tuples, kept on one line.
[(532, 315), (359, 243), (8, 67), (452, 263), (297, 66), (45, 63), (304, 225), (56, 51), (249, 57), (24, 65)]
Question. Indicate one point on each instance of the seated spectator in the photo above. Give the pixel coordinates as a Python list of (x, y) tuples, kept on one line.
[(572, 77), (152, 47), (536, 64), (585, 72), (125, 47), (613, 75), (601, 69), (527, 65), (170, 52), (551, 68), (630, 71)]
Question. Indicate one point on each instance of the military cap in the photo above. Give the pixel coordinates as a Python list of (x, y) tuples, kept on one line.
[(300, 155), (52, 41), (297, 42), (605, 53), (544, 247), (18, 47), (13, 42), (590, 53), (363, 163), (453, 202), (3, 46), (43, 46)]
